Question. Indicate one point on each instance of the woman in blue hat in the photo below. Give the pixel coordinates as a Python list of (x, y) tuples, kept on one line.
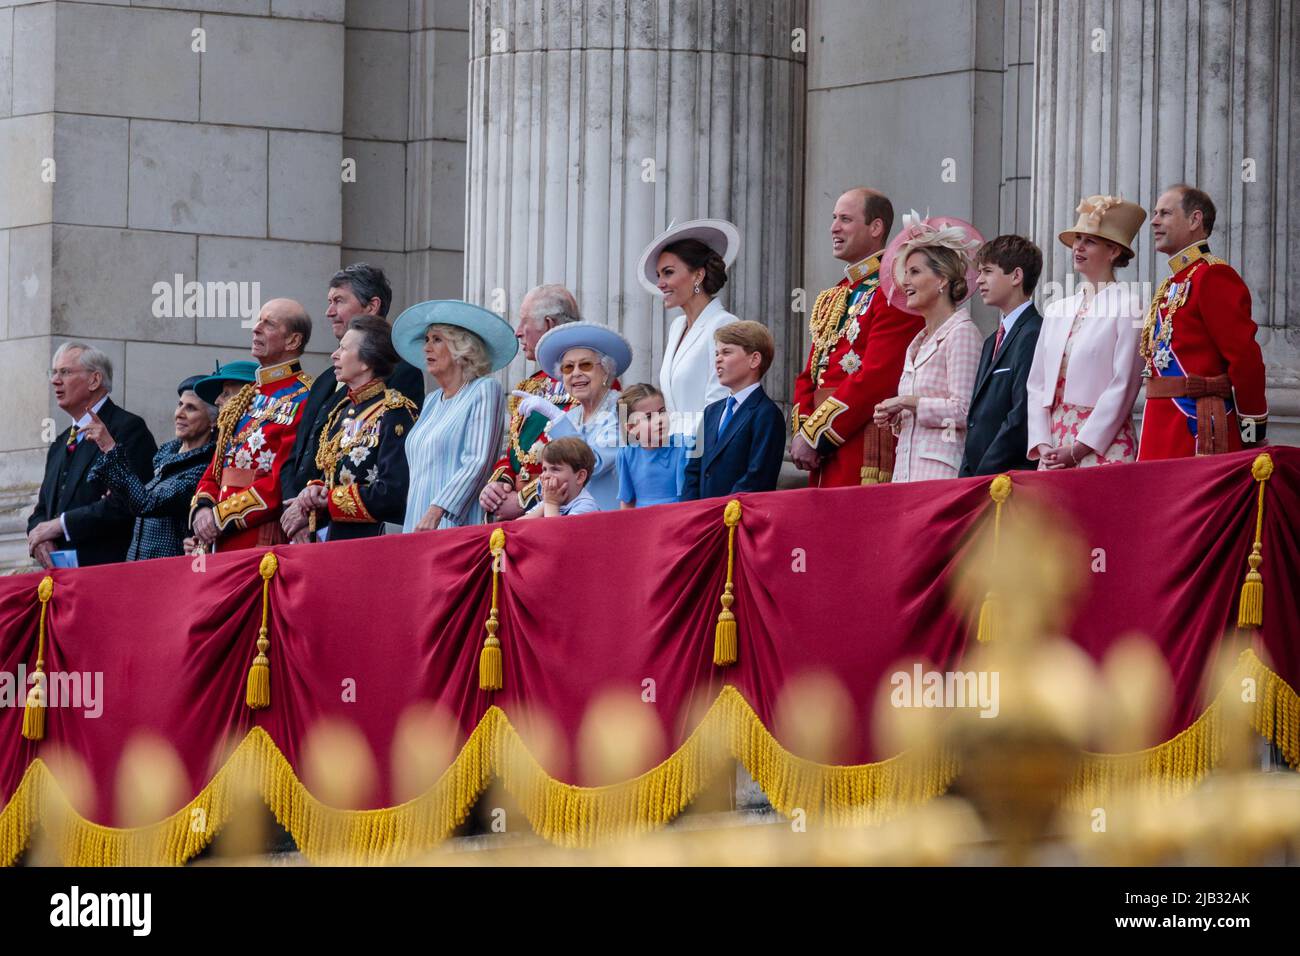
[(588, 358), (161, 506), (225, 382), (456, 440)]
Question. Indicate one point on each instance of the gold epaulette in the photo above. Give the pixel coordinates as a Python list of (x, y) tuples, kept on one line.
[(395, 399)]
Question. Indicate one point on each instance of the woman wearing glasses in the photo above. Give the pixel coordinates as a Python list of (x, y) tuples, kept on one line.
[(588, 357)]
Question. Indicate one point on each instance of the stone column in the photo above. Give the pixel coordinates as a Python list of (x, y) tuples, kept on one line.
[(593, 123), (1134, 95)]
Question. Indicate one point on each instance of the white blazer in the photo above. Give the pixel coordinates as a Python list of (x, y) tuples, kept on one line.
[(687, 376), (1105, 370)]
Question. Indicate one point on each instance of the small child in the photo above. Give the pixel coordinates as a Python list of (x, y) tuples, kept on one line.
[(649, 467), (743, 434), (566, 465)]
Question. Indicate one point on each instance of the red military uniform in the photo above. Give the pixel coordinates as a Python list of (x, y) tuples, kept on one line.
[(1204, 369), (255, 436), (521, 465), (858, 344)]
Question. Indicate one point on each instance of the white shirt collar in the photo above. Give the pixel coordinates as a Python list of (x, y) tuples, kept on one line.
[(84, 421), (583, 495), (744, 393), (1009, 319)]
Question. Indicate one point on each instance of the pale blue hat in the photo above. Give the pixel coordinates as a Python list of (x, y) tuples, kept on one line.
[(582, 335), (495, 332)]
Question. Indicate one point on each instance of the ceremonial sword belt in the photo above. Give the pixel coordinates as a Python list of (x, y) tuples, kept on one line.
[(1210, 391)]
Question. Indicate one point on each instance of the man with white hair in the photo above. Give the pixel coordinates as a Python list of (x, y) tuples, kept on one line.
[(512, 489), (74, 512)]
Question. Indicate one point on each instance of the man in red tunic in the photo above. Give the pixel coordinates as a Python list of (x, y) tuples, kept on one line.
[(1204, 369), (856, 359), (237, 504)]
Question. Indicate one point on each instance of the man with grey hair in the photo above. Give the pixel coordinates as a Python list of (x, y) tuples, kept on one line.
[(512, 489), (73, 511)]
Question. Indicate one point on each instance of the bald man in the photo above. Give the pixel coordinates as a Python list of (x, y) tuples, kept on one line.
[(858, 344), (238, 501)]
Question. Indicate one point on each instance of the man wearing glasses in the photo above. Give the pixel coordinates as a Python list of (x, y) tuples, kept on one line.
[(74, 514)]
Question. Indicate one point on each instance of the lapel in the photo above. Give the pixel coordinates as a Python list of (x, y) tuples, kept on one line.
[(986, 369), (86, 452), (931, 345), (693, 335), (986, 361), (745, 410)]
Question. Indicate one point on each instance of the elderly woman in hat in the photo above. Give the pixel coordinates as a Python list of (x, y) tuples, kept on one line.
[(1086, 370), (588, 358), (161, 505), (457, 437), (225, 382), (687, 264), (930, 266)]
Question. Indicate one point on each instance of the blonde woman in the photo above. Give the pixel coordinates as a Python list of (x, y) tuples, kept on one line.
[(1086, 370), (931, 265), (457, 437)]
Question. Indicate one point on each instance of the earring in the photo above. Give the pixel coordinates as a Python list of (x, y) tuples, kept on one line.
[(697, 288)]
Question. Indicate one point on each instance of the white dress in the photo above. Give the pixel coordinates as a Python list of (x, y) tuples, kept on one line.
[(687, 376)]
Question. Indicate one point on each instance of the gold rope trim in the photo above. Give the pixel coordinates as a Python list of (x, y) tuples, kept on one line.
[(580, 816), (258, 693), (1178, 764), (1250, 609), (491, 675), (34, 710), (724, 635), (999, 491)]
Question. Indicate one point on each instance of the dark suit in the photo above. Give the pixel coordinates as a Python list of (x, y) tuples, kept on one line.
[(99, 524), (745, 457), (997, 433), (321, 400)]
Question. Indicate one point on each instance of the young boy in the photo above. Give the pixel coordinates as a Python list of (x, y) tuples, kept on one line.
[(744, 434), (566, 465), (649, 465), (997, 433)]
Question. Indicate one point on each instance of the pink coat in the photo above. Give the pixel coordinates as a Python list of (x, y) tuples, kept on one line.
[(939, 369), (1105, 370)]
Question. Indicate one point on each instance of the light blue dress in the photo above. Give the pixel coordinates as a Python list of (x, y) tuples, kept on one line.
[(651, 476), (601, 434), (451, 451)]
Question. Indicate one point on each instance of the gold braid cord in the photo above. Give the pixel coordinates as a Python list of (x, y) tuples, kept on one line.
[(258, 694), (1250, 609), (827, 312), (999, 491), (575, 816), (490, 667), (227, 422), (724, 635), (34, 711)]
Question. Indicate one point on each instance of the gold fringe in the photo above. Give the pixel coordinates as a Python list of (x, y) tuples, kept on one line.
[(724, 635), (491, 669), (1178, 764), (581, 816), (258, 693), (1250, 609), (999, 491), (34, 709)]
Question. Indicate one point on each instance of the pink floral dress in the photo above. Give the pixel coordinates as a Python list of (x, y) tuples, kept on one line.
[(1067, 419)]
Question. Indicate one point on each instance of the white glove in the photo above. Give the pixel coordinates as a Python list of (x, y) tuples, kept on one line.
[(536, 403)]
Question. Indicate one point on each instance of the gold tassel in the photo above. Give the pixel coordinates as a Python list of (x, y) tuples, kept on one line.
[(724, 635), (34, 711), (1250, 609), (491, 670), (258, 695), (999, 491)]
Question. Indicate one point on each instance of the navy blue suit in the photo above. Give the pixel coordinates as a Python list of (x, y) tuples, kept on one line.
[(745, 457)]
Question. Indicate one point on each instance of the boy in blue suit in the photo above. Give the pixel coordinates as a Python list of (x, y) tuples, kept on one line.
[(743, 442)]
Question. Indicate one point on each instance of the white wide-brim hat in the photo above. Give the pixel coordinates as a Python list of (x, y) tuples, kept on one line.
[(719, 235), (495, 332), (582, 335)]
